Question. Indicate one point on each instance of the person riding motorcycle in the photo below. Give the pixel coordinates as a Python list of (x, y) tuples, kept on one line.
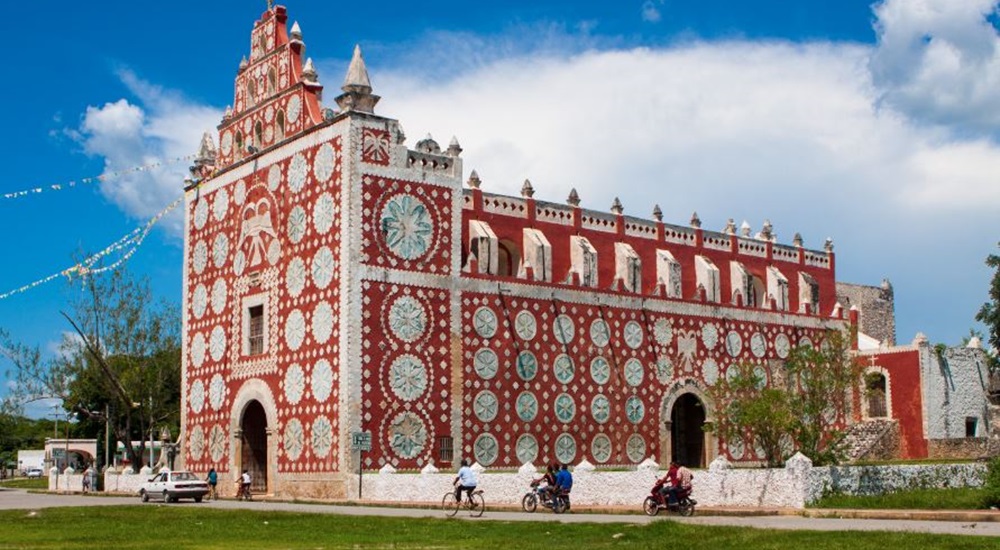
[(564, 483), (550, 482), (677, 480)]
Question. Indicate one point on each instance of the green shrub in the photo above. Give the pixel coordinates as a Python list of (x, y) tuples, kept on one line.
[(991, 498)]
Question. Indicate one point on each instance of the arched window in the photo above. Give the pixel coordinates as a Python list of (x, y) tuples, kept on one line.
[(272, 82), (239, 145), (279, 126), (251, 93), (875, 395), (258, 136), (509, 258)]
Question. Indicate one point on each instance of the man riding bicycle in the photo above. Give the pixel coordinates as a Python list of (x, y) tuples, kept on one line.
[(245, 481), (465, 481)]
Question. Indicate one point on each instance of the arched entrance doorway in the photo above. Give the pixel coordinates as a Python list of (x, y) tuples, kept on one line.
[(687, 439), (253, 444)]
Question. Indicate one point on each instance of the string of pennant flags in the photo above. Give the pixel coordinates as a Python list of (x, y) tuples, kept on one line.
[(95, 179), (130, 243)]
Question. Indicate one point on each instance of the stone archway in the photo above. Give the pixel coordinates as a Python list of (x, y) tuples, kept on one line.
[(685, 410), (254, 421), (253, 445)]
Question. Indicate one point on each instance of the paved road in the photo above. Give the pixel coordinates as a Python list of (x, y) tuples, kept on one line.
[(20, 500)]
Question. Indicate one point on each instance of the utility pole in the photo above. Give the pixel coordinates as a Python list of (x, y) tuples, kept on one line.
[(151, 432), (107, 434)]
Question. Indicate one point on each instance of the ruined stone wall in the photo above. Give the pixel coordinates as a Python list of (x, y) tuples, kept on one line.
[(876, 306), (964, 447), (955, 388)]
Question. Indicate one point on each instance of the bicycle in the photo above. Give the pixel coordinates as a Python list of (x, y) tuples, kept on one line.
[(476, 504), (243, 492)]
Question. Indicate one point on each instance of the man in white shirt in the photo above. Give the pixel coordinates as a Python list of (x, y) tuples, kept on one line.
[(245, 481), (465, 481)]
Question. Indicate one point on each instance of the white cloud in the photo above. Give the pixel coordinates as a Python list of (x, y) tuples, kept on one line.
[(651, 11), (161, 127), (939, 61)]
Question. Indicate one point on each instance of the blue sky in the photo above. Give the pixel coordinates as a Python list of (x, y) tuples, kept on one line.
[(876, 125)]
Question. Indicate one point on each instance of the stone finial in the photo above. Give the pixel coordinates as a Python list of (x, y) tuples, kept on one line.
[(797, 240), (695, 220), (573, 199), (296, 32), (206, 151), (657, 213), (228, 114), (745, 229), (975, 343), (920, 339), (429, 146), (527, 191), (730, 228), (616, 207), (828, 245), (243, 63), (766, 232), (357, 87), (309, 71), (886, 285), (454, 149), (474, 181)]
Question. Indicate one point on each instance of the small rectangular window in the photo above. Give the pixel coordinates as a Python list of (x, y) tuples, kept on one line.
[(256, 332), (971, 423), (445, 449)]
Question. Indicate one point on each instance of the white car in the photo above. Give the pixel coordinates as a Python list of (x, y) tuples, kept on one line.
[(35, 473), (170, 486)]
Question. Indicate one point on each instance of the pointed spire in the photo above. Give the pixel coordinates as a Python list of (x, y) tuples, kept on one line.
[(357, 87), (828, 245), (574, 198), (309, 71), (296, 31), (206, 151), (657, 213), (744, 229), (695, 220), (797, 240), (766, 232), (474, 181), (527, 191), (243, 63), (616, 207), (454, 149), (730, 228), (229, 113)]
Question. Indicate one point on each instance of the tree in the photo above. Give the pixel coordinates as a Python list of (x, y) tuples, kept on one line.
[(803, 406), (119, 367), (989, 313)]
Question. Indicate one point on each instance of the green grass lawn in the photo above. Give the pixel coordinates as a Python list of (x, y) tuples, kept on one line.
[(192, 526), (920, 499), (25, 483)]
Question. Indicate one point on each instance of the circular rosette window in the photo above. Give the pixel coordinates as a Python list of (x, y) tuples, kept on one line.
[(407, 226), (407, 435)]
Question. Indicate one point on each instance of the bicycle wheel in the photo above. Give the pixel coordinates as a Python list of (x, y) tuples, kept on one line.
[(449, 505), (529, 503), (478, 504), (650, 506)]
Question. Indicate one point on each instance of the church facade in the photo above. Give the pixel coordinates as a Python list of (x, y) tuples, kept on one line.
[(337, 282)]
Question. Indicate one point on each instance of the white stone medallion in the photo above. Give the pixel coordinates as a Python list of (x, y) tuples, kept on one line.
[(217, 343), (600, 409), (323, 266), (407, 435), (600, 334), (527, 365), (563, 368), (324, 163), (295, 330), (199, 301), (220, 250), (323, 213), (220, 293), (635, 410), (758, 345), (664, 369), (526, 448), (197, 447), (736, 448), (563, 329), (294, 109), (322, 322), (600, 448), (806, 342), (486, 449), (710, 372), (217, 443), (322, 437), (239, 263), (407, 319), (295, 277), (635, 448), (198, 350), (240, 192), (321, 381), (293, 440), (200, 213), (565, 408), (199, 258), (295, 384), (632, 334), (600, 370), (633, 372), (485, 363), (226, 142), (709, 336), (734, 343), (760, 373), (274, 177), (297, 224), (220, 206), (298, 170), (485, 322), (408, 377), (216, 392), (407, 225), (663, 332), (527, 406), (565, 447), (486, 406), (525, 326), (782, 345), (196, 396)]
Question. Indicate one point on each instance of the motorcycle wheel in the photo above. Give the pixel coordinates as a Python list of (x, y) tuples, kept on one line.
[(560, 505), (529, 503), (650, 506), (686, 508)]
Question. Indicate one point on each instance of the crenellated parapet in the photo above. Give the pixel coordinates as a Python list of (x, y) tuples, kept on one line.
[(525, 238)]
